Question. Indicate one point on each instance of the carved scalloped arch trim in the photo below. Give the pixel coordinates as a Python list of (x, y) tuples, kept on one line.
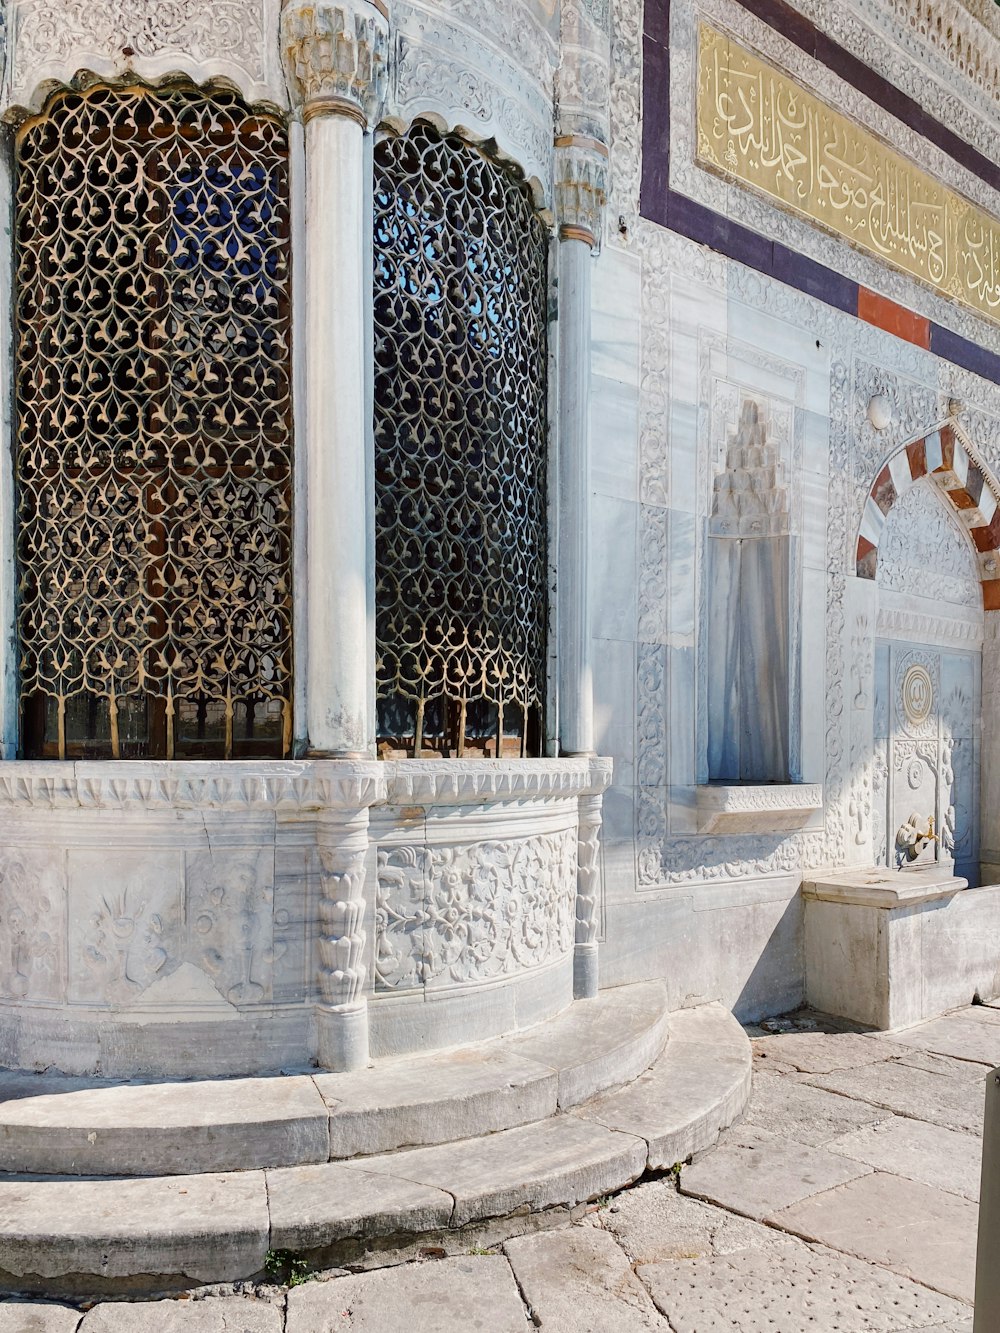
[(944, 458), (477, 137), (15, 113)]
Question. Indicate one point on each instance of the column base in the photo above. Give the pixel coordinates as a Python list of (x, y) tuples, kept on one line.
[(342, 1038), (586, 976)]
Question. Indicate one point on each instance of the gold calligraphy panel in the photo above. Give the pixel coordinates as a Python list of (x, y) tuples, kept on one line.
[(757, 126)]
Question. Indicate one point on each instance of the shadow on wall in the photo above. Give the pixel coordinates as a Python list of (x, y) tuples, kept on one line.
[(777, 983)]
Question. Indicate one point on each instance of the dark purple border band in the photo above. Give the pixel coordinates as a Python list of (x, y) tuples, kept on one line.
[(658, 203)]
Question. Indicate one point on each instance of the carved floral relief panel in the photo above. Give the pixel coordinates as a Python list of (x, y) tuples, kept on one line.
[(32, 924), (52, 39), (455, 916), (136, 917), (126, 911)]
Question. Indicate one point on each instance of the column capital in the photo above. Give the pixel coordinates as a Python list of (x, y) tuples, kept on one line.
[(337, 57), (581, 188)]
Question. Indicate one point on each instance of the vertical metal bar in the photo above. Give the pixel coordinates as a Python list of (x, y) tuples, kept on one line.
[(524, 731), (988, 1255), (286, 729), (62, 726), (229, 721), (418, 736), (170, 719), (462, 709), (116, 749), (500, 727)]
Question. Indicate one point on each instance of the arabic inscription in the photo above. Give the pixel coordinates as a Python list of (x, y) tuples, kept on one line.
[(757, 126)]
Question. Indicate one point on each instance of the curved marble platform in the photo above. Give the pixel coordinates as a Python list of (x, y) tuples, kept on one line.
[(541, 1126)]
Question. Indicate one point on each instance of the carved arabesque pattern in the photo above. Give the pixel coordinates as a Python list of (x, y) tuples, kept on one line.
[(452, 916), (460, 458), (57, 29), (153, 455)]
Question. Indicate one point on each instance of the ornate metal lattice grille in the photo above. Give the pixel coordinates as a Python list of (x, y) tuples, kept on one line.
[(460, 450), (153, 448)]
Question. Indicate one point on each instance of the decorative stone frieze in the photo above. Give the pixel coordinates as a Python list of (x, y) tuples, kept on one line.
[(426, 782), (581, 190), (454, 916), (337, 57), (235, 787), (54, 39)]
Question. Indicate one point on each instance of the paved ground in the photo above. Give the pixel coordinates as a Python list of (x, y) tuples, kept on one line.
[(844, 1203)]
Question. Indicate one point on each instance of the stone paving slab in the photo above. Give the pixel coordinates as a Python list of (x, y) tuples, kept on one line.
[(931, 1154), (809, 1115), (564, 1160), (214, 1315), (22, 1317), (963, 1036), (918, 1232), (579, 1279), (474, 1294), (653, 1222), (210, 1228), (825, 1052), (757, 1174), (160, 1129), (311, 1207), (789, 1290), (963, 1071), (908, 1091)]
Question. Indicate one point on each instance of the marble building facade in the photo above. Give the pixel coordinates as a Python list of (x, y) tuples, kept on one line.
[(770, 553)]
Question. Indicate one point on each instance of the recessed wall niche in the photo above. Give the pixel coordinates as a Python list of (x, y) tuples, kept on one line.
[(748, 570)]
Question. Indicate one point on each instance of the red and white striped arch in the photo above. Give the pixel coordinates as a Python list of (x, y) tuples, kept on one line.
[(941, 456)]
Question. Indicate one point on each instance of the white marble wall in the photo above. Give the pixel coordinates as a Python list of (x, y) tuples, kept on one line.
[(720, 915)]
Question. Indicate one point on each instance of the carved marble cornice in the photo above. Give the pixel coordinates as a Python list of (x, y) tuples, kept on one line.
[(290, 787), (581, 189), (478, 781), (337, 57), (165, 788)]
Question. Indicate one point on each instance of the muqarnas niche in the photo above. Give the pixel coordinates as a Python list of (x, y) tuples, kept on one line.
[(748, 613)]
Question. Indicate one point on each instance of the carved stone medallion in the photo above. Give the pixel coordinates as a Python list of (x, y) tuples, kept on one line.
[(918, 695)]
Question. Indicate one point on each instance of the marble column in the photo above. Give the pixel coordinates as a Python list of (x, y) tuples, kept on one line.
[(336, 57), (581, 188)]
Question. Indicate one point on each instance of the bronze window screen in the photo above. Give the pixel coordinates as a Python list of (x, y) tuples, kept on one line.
[(153, 449), (461, 300)]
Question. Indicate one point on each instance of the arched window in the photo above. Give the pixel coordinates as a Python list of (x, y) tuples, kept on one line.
[(460, 451), (153, 452)]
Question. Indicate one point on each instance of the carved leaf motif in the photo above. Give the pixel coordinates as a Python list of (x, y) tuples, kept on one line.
[(449, 916)]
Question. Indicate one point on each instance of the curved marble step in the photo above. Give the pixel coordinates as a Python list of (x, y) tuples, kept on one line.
[(67, 1126), (103, 1236)]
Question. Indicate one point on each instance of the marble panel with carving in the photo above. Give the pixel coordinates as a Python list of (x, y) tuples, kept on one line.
[(32, 924), (54, 39), (232, 934), (458, 915), (925, 552), (126, 911)]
